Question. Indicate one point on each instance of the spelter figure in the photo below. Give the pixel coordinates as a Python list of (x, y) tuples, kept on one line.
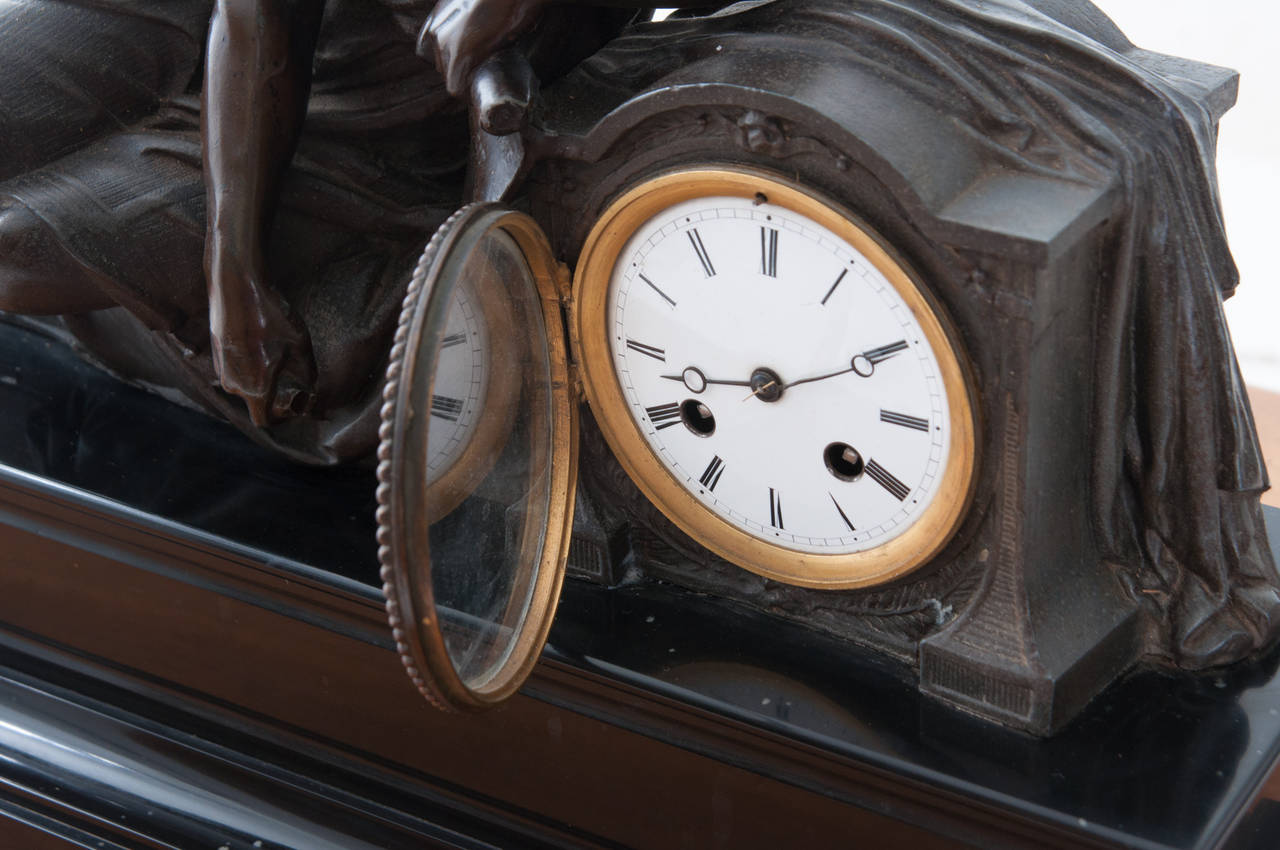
[(331, 150)]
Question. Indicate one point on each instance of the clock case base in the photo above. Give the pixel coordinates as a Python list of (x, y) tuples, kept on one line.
[(1021, 620), (200, 647)]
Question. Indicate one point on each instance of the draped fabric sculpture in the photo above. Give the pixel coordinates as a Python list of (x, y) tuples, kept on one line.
[(102, 220)]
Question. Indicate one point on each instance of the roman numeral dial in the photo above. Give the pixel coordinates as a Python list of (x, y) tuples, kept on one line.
[(446, 407), (663, 415), (769, 251), (711, 475), (774, 382), (461, 383), (695, 239), (915, 423)]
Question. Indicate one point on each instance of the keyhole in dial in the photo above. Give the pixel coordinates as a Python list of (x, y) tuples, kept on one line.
[(843, 461), (698, 418)]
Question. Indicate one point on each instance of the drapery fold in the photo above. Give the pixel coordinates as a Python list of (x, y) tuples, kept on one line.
[(1053, 88)]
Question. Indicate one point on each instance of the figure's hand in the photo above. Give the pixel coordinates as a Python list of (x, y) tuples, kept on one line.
[(261, 353), (461, 34)]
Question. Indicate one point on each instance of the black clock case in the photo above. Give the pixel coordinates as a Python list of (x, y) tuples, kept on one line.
[(1019, 620)]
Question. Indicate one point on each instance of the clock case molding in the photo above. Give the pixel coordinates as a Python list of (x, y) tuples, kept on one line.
[(1014, 225), (1021, 619)]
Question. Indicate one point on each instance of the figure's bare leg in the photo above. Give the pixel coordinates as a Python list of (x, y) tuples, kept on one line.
[(37, 275)]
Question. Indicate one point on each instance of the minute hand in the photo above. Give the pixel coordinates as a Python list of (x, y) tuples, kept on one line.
[(864, 364)]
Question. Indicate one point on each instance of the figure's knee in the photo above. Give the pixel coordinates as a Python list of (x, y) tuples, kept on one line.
[(37, 274)]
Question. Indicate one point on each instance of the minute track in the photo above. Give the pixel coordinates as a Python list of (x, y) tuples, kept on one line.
[(748, 312)]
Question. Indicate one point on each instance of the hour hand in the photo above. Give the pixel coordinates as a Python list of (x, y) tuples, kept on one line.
[(693, 378)]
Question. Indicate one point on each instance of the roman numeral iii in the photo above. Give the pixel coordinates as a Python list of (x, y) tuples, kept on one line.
[(446, 407), (913, 422)]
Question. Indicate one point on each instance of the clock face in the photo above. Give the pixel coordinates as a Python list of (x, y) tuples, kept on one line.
[(477, 459), (461, 380), (774, 380), (473, 388)]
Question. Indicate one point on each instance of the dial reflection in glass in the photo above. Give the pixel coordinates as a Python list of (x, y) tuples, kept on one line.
[(476, 460), (487, 449), (463, 366)]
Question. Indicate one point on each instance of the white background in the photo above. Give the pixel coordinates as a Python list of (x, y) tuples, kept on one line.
[(1244, 35)]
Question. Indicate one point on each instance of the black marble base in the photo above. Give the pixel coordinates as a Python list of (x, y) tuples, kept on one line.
[(1156, 761)]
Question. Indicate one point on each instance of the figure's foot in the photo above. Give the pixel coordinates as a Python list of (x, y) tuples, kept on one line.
[(262, 354)]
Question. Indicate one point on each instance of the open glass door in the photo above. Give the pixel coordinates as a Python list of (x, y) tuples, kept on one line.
[(477, 460)]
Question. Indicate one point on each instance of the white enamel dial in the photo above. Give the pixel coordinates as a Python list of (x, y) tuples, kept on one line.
[(774, 379), (842, 439), (460, 383)]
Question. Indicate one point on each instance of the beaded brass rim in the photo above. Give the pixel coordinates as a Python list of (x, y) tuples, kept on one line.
[(934, 527), (403, 494)]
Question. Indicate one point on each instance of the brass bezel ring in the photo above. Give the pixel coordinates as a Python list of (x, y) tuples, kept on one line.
[(912, 549), (402, 531)]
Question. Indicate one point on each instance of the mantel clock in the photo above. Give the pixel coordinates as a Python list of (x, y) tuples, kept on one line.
[(855, 341)]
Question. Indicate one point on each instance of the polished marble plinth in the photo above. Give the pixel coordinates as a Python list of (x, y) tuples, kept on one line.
[(1158, 760)]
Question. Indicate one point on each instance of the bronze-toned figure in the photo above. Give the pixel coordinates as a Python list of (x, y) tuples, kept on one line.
[(309, 243), (242, 238)]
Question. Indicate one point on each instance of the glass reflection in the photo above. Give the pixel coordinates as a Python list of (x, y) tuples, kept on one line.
[(487, 458)]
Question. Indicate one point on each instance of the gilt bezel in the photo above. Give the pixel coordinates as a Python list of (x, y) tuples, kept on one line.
[(929, 531)]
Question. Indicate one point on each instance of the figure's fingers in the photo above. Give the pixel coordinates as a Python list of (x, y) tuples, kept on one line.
[(442, 39), (461, 34)]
